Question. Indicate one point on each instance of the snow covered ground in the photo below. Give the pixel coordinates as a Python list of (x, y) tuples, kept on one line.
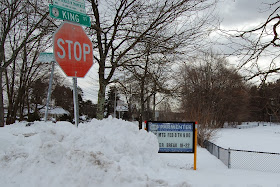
[(264, 138), (109, 153)]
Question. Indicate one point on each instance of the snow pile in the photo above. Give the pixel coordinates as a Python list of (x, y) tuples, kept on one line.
[(110, 152), (115, 153)]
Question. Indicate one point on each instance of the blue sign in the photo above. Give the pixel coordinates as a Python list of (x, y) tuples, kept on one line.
[(173, 137)]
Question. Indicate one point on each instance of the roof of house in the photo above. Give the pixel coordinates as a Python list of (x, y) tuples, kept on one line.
[(56, 110)]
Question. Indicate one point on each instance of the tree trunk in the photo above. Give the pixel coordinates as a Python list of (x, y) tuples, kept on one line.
[(154, 107), (101, 100), (1, 101), (148, 112)]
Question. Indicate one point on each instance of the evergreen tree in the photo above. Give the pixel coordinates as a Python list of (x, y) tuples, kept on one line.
[(110, 101)]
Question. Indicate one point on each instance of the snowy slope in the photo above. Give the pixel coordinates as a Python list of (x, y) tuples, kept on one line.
[(110, 152), (261, 138)]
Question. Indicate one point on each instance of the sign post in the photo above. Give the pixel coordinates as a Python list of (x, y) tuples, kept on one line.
[(48, 58), (75, 101), (195, 147), (49, 92)]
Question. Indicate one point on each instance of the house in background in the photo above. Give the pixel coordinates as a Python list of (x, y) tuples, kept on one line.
[(54, 114)]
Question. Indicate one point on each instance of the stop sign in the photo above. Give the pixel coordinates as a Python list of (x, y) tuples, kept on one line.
[(72, 50)]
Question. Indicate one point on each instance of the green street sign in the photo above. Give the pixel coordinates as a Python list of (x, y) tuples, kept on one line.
[(74, 5), (69, 15), (46, 57)]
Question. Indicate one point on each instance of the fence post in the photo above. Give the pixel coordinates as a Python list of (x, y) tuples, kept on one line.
[(218, 152), (229, 164)]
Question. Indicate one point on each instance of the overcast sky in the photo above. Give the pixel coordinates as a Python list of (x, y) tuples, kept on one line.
[(245, 15), (234, 14), (240, 13)]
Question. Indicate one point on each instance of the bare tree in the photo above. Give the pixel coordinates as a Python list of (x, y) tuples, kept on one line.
[(120, 25), (258, 47), (16, 16), (19, 77), (212, 94), (147, 80)]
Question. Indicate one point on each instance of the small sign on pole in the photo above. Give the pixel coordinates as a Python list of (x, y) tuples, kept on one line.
[(46, 57), (122, 108)]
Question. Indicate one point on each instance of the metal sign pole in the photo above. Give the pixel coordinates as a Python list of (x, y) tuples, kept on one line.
[(49, 92), (115, 104), (75, 99), (195, 146)]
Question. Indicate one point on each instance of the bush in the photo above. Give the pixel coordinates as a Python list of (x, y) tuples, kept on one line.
[(33, 117)]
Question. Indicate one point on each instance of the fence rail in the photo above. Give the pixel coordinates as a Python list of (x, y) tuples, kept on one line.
[(243, 159)]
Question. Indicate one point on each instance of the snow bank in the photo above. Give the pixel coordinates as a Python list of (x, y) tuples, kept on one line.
[(115, 153), (110, 152)]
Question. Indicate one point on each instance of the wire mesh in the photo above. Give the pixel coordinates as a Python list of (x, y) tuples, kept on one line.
[(252, 160), (224, 156), (243, 159)]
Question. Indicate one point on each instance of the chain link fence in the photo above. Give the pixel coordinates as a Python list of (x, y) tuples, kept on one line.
[(242, 159)]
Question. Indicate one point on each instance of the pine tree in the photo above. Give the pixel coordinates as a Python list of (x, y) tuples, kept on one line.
[(110, 101)]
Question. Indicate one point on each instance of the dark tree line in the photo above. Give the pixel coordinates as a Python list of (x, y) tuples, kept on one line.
[(265, 102)]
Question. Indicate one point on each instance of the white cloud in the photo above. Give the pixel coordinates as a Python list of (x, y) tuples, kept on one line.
[(243, 13)]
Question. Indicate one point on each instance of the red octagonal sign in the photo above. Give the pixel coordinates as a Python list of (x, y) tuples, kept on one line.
[(72, 50)]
